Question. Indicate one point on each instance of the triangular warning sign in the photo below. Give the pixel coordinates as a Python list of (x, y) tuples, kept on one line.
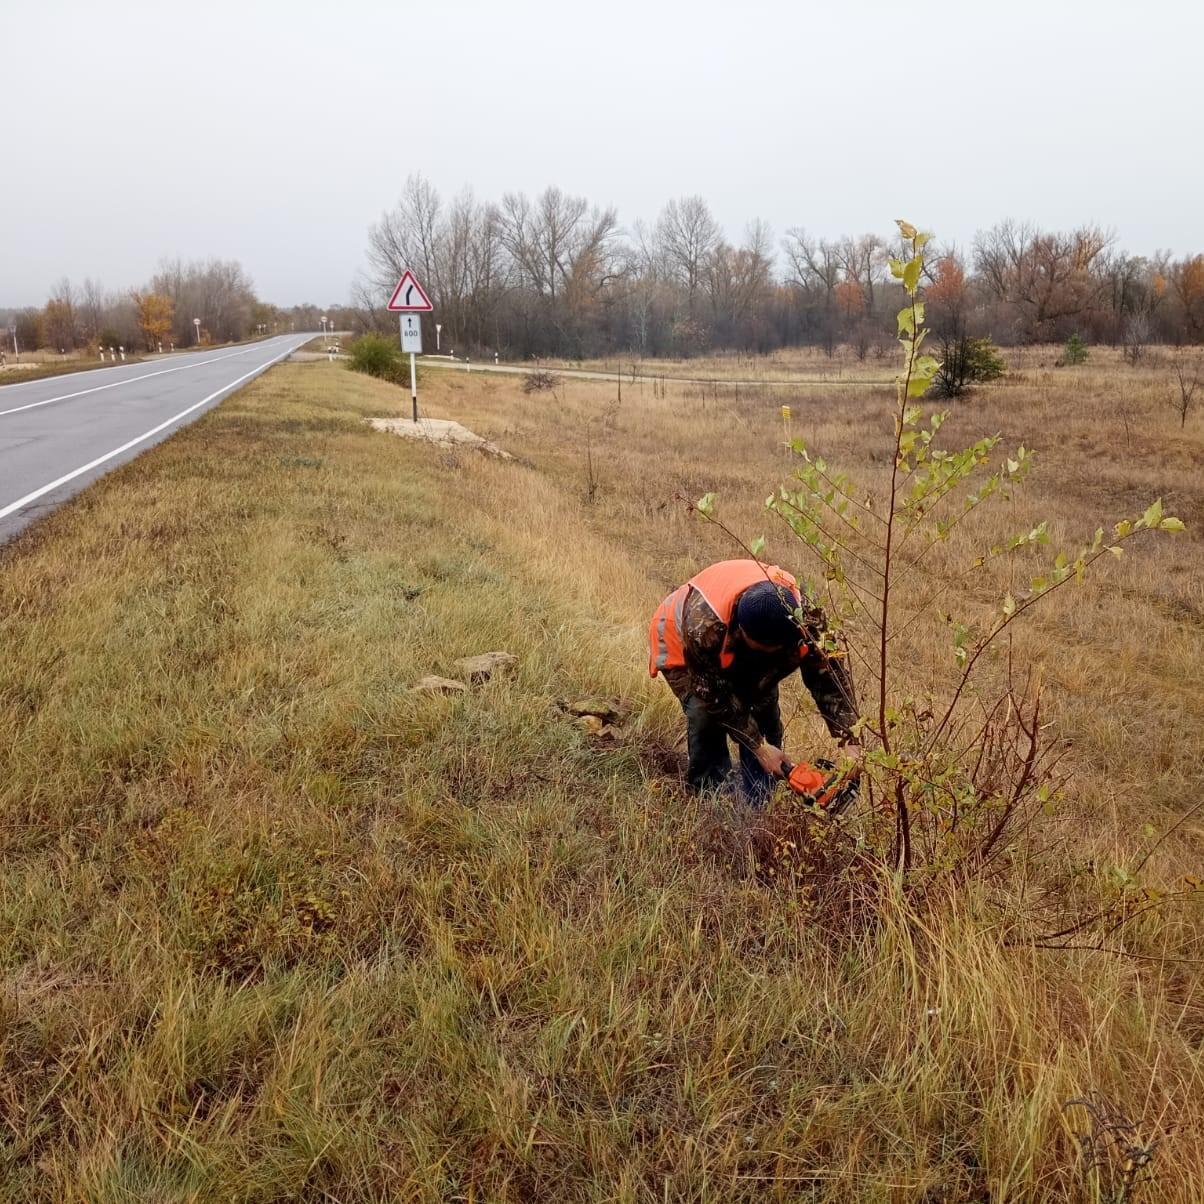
[(408, 295)]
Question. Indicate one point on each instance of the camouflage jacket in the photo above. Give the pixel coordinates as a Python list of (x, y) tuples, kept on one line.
[(730, 694)]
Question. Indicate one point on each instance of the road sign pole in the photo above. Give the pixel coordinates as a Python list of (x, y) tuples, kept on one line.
[(410, 301)]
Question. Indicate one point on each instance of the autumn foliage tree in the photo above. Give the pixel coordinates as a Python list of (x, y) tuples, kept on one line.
[(1187, 277), (850, 299), (947, 296), (155, 316)]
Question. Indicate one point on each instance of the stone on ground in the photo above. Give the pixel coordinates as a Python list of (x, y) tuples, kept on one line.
[(431, 684), (477, 670)]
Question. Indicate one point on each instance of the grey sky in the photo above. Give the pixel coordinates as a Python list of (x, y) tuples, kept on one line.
[(275, 132)]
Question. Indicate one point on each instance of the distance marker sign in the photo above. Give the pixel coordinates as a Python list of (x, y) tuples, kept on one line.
[(411, 333), (408, 296)]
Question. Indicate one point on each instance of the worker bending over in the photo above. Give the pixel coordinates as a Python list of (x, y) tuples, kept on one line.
[(724, 641)]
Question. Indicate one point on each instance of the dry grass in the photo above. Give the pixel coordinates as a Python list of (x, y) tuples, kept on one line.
[(790, 363), (275, 928), (30, 369)]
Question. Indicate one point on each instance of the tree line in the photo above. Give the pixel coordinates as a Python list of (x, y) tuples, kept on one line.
[(556, 275), (160, 314)]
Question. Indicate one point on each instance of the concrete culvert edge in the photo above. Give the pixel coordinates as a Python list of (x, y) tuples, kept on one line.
[(439, 430)]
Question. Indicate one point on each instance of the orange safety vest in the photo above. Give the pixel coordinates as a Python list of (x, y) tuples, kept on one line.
[(720, 586)]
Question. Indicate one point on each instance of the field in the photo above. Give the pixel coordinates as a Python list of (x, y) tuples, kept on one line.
[(277, 927)]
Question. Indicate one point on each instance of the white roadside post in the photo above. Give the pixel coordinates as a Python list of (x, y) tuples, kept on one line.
[(438, 331), (197, 323), (409, 301)]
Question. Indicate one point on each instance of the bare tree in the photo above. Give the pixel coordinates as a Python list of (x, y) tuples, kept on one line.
[(814, 272), (1183, 387), (1046, 277), (553, 235), (406, 236), (687, 235), (1124, 281), (561, 250), (59, 317), (738, 283), (1136, 335), (368, 306), (814, 263), (861, 260), (218, 291), (472, 267), (91, 310), (645, 277)]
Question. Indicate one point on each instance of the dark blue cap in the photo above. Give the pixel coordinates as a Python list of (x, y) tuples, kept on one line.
[(765, 613)]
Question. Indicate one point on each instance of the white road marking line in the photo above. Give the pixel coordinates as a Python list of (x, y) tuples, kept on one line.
[(20, 503), (128, 380)]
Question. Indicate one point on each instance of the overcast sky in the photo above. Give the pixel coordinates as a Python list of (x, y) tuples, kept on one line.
[(275, 133)]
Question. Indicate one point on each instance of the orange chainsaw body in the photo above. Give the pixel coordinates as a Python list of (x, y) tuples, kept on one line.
[(806, 779), (821, 787)]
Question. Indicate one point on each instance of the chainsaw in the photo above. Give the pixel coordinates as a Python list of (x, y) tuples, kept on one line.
[(822, 786)]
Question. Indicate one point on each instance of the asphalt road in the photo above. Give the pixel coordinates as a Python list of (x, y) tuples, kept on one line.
[(58, 435)]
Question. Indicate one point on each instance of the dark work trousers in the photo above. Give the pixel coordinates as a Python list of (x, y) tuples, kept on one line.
[(711, 763)]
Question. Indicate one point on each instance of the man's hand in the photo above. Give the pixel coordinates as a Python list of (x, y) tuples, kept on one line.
[(854, 753), (773, 760)]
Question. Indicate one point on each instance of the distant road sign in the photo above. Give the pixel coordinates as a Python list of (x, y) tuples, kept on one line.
[(409, 297), (411, 334)]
